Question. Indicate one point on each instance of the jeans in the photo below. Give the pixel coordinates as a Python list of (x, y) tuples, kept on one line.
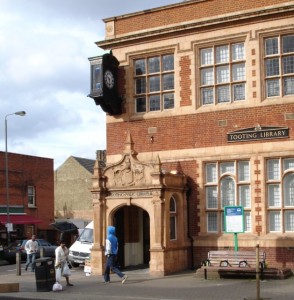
[(31, 261), (111, 265)]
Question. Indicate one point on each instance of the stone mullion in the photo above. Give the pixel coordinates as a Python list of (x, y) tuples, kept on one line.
[(257, 197)]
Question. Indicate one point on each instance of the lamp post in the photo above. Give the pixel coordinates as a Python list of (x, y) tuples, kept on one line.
[(8, 225)]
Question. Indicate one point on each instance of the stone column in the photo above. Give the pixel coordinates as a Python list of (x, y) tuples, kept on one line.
[(97, 252), (157, 231), (98, 193)]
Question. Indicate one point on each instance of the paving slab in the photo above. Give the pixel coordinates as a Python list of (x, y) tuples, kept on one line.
[(141, 286)]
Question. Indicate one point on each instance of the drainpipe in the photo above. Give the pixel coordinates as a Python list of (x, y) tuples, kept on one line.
[(188, 194)]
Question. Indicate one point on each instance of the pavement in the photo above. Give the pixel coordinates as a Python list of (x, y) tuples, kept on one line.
[(141, 286)]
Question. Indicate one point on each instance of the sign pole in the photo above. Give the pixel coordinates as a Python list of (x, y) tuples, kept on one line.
[(234, 222), (236, 241), (257, 274)]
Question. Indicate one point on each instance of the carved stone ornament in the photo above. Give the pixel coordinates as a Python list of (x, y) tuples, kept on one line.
[(129, 171)]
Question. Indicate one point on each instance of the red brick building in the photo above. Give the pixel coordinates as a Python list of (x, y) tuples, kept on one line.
[(31, 196), (207, 86)]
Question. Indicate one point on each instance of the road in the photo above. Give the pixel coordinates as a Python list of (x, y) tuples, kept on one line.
[(141, 286)]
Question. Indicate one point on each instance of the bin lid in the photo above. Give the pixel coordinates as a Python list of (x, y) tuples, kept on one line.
[(42, 259)]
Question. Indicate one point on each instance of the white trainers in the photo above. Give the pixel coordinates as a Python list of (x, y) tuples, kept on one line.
[(124, 279)]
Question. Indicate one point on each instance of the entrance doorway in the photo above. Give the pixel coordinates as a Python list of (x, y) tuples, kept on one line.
[(133, 232), (135, 197)]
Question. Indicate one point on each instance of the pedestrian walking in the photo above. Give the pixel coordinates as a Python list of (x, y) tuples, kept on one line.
[(111, 249), (31, 248), (62, 263)]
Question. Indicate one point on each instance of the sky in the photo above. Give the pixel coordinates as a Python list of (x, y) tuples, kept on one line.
[(44, 71)]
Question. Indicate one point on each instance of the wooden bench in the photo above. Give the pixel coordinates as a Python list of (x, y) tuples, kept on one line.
[(231, 264), (223, 258)]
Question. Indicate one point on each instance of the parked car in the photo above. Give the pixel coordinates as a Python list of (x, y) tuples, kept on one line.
[(19, 246), (80, 250)]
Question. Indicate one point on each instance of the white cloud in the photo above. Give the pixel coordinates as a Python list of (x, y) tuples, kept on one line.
[(44, 50)]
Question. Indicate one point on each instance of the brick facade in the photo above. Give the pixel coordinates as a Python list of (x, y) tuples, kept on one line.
[(24, 171), (192, 135), (187, 130)]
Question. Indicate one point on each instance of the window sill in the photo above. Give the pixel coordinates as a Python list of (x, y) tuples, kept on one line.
[(32, 206), (153, 114)]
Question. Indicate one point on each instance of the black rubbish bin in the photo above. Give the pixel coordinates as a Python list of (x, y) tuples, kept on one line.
[(45, 274)]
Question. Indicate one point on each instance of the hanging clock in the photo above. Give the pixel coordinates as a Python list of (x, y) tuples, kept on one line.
[(109, 79), (104, 72)]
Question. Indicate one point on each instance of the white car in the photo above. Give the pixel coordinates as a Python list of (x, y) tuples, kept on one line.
[(80, 250)]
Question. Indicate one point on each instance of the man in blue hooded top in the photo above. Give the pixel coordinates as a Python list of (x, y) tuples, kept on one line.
[(111, 248)]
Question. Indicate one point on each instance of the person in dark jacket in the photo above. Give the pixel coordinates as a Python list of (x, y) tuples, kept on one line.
[(111, 248)]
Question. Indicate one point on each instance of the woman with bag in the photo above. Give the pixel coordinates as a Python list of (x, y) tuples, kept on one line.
[(61, 263)]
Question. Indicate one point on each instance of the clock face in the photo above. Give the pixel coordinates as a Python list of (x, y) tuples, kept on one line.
[(109, 79)]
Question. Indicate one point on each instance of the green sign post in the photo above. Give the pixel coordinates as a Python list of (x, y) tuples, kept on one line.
[(234, 221)]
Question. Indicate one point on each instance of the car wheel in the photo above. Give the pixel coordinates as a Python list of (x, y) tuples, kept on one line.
[(12, 261), (75, 265)]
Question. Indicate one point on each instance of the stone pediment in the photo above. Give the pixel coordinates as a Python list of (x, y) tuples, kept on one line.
[(134, 178), (129, 171)]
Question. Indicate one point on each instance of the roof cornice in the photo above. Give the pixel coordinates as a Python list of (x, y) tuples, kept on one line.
[(195, 25), (151, 10)]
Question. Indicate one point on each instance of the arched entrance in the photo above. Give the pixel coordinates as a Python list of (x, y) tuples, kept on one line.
[(149, 209), (133, 232)]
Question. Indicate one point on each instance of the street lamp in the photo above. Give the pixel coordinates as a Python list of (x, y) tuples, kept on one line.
[(8, 225)]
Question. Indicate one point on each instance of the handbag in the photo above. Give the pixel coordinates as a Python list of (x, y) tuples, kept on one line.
[(66, 270), (69, 265)]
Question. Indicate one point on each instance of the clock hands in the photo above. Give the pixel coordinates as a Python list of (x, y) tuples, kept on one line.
[(109, 79)]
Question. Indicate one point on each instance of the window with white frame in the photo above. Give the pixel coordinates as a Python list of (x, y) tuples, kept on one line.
[(279, 65), (222, 73), (280, 194), (154, 83), (31, 196), (227, 184), (173, 219)]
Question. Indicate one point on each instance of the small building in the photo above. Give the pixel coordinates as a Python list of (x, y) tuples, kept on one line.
[(31, 197), (72, 196), (72, 190)]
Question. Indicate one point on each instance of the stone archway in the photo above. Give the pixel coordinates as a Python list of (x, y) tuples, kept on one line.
[(133, 232), (130, 182)]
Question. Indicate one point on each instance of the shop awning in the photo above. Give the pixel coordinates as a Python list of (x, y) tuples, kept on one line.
[(20, 219)]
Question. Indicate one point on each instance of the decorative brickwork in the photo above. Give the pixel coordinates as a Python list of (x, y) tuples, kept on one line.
[(186, 131), (185, 74)]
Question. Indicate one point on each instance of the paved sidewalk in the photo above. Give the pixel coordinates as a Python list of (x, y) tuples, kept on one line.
[(141, 286)]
